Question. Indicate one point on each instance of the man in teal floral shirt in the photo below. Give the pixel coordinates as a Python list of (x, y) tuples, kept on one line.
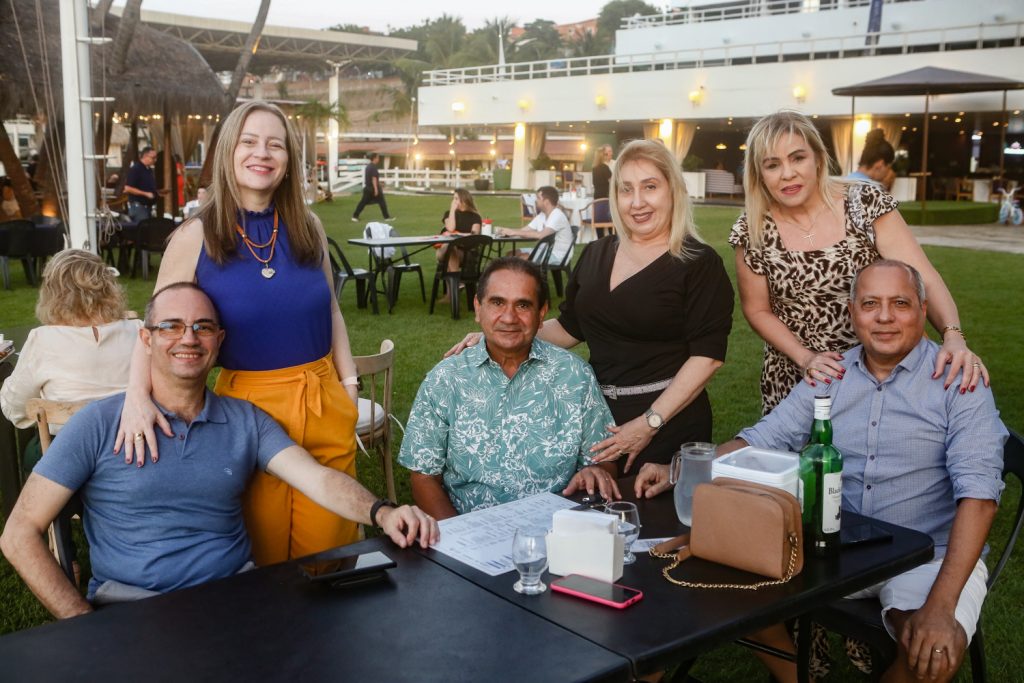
[(510, 417)]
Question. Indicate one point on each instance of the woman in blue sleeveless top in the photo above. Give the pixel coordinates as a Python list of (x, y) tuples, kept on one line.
[(260, 254)]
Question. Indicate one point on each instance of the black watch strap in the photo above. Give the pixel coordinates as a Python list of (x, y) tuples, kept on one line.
[(383, 502)]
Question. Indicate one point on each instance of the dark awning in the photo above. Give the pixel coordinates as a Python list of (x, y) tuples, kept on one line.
[(928, 80)]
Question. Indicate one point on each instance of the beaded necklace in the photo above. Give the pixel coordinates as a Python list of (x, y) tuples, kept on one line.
[(267, 271)]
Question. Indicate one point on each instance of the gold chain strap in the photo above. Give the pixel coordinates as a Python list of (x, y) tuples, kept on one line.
[(740, 586)]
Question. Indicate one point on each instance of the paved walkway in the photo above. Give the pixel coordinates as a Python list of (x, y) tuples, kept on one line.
[(988, 237)]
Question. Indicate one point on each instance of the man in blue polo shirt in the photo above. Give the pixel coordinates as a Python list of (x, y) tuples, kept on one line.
[(177, 522)]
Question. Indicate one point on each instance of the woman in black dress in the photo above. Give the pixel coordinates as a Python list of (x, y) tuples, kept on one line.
[(461, 218), (654, 305)]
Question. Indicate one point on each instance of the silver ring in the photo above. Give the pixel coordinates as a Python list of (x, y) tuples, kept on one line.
[(977, 365), (939, 650)]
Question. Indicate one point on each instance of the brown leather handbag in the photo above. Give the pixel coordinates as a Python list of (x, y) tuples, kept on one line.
[(744, 525)]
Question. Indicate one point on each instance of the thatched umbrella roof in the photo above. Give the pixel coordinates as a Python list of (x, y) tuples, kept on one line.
[(163, 74)]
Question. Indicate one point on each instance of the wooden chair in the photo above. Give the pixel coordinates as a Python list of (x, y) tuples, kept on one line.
[(861, 619), (964, 189), (599, 217), (373, 430), (47, 414)]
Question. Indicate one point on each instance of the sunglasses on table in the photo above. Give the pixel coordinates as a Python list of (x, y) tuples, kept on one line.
[(175, 329)]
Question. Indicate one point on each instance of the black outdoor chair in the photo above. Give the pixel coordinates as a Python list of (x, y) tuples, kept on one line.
[(861, 619), (565, 266), (343, 272), (16, 243), (541, 251), (153, 235), (392, 267), (473, 248), (46, 241)]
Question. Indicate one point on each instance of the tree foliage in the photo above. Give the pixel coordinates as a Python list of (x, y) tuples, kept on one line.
[(611, 16)]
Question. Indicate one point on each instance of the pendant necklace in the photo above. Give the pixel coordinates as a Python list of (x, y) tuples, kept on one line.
[(808, 233), (267, 272)]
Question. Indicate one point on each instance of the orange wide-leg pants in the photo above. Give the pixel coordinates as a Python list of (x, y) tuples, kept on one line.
[(312, 406)]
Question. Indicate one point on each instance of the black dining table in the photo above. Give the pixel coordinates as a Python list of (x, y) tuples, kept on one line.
[(672, 624), (423, 623)]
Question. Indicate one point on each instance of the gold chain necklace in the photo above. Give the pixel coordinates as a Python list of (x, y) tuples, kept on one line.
[(266, 271)]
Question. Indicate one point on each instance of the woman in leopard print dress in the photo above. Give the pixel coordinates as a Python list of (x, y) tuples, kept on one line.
[(798, 245)]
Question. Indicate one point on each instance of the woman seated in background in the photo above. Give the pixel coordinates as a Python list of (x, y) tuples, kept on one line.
[(461, 218), (83, 348), (876, 159), (798, 245)]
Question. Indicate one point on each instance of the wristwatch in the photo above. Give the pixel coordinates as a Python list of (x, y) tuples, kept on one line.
[(654, 419), (383, 502)]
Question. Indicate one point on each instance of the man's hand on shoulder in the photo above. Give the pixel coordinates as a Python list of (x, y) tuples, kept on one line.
[(405, 524)]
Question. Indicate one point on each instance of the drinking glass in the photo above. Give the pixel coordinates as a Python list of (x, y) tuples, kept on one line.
[(629, 526), (530, 556), (690, 466)]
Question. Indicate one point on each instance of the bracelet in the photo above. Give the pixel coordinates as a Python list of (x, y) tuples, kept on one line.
[(953, 328), (352, 381), (382, 502)]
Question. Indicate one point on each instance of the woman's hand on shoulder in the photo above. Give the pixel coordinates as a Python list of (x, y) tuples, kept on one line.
[(823, 366), (955, 353), (139, 418), (471, 339)]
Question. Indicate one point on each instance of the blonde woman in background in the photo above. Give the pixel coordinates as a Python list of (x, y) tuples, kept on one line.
[(82, 350)]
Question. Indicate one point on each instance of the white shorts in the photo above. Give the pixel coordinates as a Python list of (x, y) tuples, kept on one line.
[(909, 590)]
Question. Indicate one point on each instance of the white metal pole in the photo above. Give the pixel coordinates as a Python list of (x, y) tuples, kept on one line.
[(332, 131), (78, 123)]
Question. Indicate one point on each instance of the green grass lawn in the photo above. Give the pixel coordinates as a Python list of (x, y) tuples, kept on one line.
[(984, 284)]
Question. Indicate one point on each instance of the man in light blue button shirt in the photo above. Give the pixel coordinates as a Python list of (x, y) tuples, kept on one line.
[(915, 454), (508, 418)]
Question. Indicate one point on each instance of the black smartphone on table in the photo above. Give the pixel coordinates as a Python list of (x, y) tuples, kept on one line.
[(862, 534), (354, 568)]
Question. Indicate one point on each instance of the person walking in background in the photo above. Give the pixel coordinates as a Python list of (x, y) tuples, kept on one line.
[(798, 244), (261, 255), (373, 191)]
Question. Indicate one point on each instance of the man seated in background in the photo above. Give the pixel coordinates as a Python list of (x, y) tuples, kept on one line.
[(508, 418), (550, 220), (177, 522), (914, 454)]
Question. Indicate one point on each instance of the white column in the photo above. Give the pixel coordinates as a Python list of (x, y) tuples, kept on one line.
[(78, 123), (332, 131), (520, 164)]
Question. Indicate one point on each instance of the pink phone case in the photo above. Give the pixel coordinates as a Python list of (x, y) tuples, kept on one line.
[(556, 586)]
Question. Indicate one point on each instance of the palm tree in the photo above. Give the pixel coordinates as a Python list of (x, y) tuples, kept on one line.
[(313, 114), (245, 56)]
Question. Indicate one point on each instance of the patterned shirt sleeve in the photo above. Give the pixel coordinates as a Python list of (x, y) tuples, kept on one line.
[(425, 444), (595, 415), (740, 237)]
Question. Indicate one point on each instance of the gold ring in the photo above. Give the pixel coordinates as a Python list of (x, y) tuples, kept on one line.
[(977, 365), (140, 436)]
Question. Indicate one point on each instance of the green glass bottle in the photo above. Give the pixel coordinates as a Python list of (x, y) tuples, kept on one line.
[(821, 483)]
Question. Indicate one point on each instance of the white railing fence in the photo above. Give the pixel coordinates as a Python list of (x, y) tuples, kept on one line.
[(412, 179), (753, 8), (977, 36)]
